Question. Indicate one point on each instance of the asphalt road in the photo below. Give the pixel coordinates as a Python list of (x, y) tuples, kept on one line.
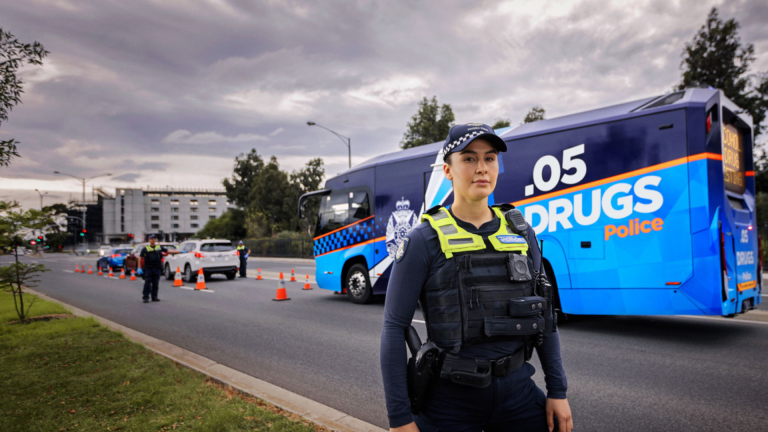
[(624, 373)]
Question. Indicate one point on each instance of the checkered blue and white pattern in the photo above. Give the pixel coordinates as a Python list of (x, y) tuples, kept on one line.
[(347, 236), (461, 139)]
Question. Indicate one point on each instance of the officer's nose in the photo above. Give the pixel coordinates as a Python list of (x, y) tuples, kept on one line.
[(482, 167)]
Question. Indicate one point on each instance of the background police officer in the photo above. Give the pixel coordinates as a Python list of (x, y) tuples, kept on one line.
[(242, 252), (151, 259), (508, 399)]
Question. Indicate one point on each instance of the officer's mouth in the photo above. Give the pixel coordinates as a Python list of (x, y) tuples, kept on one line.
[(482, 182)]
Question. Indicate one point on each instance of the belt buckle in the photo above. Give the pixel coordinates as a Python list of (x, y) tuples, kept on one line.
[(501, 366)]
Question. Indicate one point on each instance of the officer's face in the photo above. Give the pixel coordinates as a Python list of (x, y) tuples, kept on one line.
[(474, 170), (152, 241)]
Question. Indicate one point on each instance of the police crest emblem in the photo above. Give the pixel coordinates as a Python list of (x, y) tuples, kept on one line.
[(401, 222)]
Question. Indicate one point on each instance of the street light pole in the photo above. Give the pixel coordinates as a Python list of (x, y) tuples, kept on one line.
[(41, 197), (83, 180), (346, 140)]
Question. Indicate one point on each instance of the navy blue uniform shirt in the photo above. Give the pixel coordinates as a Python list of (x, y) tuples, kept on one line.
[(423, 257)]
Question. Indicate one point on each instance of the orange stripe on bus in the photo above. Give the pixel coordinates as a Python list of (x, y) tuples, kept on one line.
[(674, 162), (750, 173), (354, 245), (344, 227)]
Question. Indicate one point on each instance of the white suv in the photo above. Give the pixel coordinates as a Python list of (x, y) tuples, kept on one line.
[(213, 256)]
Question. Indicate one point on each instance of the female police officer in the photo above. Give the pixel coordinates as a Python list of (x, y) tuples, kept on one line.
[(480, 291)]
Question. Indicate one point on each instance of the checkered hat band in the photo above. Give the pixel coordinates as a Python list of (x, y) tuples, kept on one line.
[(460, 140)]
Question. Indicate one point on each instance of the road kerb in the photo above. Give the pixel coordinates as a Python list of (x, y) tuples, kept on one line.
[(289, 401)]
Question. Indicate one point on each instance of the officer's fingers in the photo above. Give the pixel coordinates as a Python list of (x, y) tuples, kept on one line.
[(565, 422), (570, 424), (550, 418)]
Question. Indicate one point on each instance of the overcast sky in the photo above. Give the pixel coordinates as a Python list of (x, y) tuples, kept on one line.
[(168, 92)]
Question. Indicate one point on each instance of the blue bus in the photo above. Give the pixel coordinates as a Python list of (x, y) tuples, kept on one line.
[(644, 208)]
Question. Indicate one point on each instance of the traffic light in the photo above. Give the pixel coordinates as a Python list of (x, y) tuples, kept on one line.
[(32, 242), (40, 238), (82, 234)]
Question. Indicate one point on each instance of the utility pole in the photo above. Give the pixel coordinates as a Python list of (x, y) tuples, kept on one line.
[(41, 197), (346, 140)]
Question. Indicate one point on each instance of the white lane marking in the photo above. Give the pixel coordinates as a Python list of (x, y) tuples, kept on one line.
[(206, 290), (186, 288), (68, 271), (724, 319)]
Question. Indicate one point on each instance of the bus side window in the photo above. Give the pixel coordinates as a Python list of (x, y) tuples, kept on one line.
[(340, 209), (358, 203), (334, 210)]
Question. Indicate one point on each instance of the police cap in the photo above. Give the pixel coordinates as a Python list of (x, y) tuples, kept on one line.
[(461, 135)]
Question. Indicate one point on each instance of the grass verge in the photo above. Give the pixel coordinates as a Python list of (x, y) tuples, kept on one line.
[(73, 375)]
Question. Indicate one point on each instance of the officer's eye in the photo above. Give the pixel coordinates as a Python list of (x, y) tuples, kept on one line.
[(469, 159), (490, 159)]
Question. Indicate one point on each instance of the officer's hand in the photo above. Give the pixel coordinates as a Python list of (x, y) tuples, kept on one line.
[(562, 410), (410, 427)]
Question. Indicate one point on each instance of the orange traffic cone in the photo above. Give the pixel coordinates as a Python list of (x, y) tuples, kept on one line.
[(281, 276), (110, 273), (122, 273), (90, 269), (258, 274), (100, 272), (133, 275), (77, 268), (293, 276), (306, 284), (281, 294), (200, 280), (177, 278)]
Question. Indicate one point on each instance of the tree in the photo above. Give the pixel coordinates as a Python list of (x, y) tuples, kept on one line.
[(13, 54), (716, 57), (430, 124), (230, 225), (269, 198), (535, 114), (247, 170), (501, 123), (17, 276)]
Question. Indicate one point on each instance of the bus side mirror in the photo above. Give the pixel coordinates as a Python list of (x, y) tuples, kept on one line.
[(303, 200)]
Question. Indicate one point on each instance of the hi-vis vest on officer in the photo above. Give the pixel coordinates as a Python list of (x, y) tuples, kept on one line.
[(484, 292), (239, 248)]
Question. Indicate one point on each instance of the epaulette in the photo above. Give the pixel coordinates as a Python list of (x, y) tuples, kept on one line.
[(504, 207), (433, 210)]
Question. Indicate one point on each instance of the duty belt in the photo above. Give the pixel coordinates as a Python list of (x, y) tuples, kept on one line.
[(479, 372)]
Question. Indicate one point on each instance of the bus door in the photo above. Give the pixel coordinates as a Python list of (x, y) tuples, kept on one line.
[(740, 211)]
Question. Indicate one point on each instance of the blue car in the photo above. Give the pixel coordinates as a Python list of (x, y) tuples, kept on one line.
[(114, 259)]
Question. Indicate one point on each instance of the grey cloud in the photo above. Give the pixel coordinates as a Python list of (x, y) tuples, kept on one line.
[(129, 178), (155, 81)]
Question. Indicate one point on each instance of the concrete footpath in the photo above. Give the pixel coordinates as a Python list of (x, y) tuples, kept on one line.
[(289, 401)]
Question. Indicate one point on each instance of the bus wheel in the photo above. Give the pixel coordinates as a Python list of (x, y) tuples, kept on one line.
[(358, 286)]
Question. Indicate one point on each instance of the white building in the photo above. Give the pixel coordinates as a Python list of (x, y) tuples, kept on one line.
[(171, 214)]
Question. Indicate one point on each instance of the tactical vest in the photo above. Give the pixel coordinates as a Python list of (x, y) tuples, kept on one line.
[(483, 292), (151, 259)]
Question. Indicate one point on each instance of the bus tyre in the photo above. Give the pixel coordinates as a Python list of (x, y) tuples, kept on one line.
[(358, 286), (231, 275), (189, 277), (167, 271)]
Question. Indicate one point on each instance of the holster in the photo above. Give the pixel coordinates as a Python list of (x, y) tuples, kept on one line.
[(421, 370)]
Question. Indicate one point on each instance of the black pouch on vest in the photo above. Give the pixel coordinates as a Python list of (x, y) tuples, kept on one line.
[(517, 267), (513, 326), (526, 306), (469, 372)]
